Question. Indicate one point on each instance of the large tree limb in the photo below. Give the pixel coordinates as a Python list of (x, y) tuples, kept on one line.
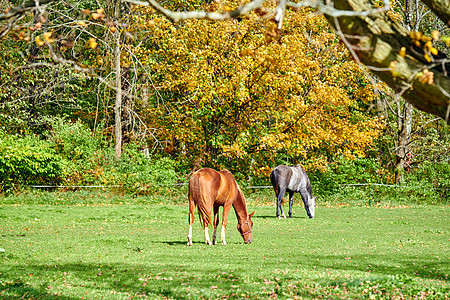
[(377, 42)]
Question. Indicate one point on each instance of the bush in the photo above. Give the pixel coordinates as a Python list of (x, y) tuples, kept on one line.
[(92, 164), (142, 175), (343, 171), (73, 141), (427, 184), (26, 161), (432, 178)]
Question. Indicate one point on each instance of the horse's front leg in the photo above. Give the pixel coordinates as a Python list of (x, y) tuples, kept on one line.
[(305, 198), (226, 210), (216, 223)]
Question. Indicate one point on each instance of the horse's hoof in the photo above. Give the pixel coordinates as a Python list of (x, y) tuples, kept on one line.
[(189, 243), (224, 243)]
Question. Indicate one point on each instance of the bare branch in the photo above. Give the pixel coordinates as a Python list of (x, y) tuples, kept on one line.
[(333, 12), (179, 16), (245, 9), (18, 10), (279, 13)]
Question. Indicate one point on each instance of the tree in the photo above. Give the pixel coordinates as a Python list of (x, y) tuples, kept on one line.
[(231, 96), (88, 39), (118, 85), (408, 63)]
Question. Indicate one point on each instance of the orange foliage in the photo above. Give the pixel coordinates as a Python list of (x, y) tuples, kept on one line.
[(228, 95)]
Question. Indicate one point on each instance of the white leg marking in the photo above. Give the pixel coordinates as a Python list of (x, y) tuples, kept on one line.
[(222, 236), (189, 243), (207, 240)]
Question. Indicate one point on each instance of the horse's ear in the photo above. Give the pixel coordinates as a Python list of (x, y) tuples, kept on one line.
[(251, 215)]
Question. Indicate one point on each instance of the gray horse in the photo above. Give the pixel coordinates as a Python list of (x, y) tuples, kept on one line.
[(292, 179)]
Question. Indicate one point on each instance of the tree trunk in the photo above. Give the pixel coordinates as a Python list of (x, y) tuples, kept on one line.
[(118, 85), (404, 138)]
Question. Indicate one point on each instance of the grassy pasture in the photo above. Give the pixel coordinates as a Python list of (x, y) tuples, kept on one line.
[(123, 250)]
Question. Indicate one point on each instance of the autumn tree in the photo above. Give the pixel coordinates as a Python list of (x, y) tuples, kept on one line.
[(235, 92), (408, 63)]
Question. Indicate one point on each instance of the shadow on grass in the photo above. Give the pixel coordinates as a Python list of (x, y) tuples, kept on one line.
[(19, 290), (184, 243), (178, 281), (423, 267)]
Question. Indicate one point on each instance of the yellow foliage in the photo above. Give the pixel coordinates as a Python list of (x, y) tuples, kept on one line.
[(227, 87), (92, 43), (39, 41), (47, 37)]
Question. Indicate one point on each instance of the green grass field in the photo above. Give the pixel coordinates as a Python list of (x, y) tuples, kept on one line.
[(79, 250)]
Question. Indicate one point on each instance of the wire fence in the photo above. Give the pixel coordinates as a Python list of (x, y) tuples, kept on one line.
[(370, 186), (247, 187)]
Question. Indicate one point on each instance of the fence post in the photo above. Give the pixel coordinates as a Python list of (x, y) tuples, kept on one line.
[(370, 196)]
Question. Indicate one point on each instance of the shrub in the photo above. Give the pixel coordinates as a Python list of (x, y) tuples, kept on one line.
[(433, 179), (343, 171), (26, 161), (143, 175), (73, 141)]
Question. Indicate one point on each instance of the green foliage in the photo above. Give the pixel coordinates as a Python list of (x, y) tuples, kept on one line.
[(74, 141), (144, 175), (433, 177), (73, 155), (92, 163), (429, 183), (28, 160), (344, 171)]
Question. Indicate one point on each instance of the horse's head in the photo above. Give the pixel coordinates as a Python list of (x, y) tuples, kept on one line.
[(245, 229), (311, 207)]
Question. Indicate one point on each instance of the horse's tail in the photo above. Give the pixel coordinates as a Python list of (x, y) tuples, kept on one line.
[(196, 195), (275, 180)]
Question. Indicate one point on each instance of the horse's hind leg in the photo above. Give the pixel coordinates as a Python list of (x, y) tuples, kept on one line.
[(205, 225), (191, 220), (291, 201), (280, 196), (207, 240), (216, 223)]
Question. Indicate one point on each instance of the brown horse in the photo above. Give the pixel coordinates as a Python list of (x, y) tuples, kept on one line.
[(209, 188)]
